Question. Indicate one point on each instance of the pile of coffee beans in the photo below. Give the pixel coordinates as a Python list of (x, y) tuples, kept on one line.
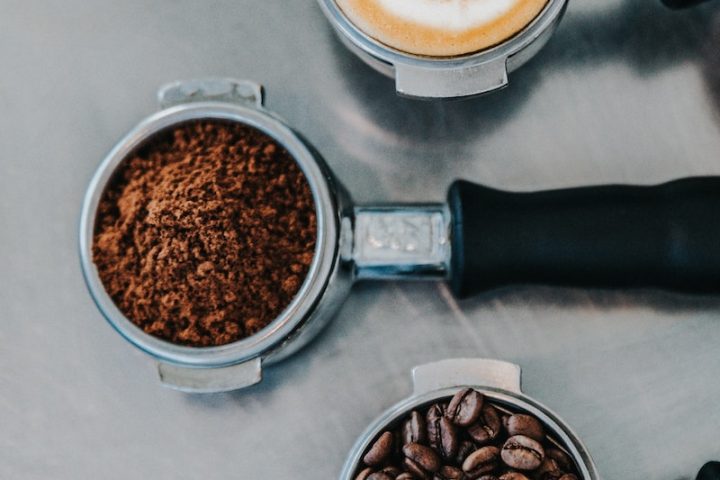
[(466, 439)]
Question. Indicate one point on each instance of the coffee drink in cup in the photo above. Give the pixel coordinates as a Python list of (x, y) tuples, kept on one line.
[(441, 28)]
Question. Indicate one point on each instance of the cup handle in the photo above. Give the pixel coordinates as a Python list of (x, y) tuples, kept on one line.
[(211, 380), (466, 371), (211, 90)]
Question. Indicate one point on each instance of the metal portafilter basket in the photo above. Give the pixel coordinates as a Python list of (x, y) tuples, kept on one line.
[(664, 236), (472, 74), (498, 381)]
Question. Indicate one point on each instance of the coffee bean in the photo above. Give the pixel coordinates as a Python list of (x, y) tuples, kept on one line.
[(521, 424), (364, 474), (405, 476), (380, 451), (449, 473), (548, 475), (481, 461), (424, 456), (513, 476), (392, 471), (465, 407), (444, 439), (563, 459), (380, 476), (523, 453), (488, 426), (414, 429), (465, 449), (432, 420), (416, 469), (427, 445), (548, 469)]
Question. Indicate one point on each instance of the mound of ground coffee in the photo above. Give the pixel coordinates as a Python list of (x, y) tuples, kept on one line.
[(205, 234)]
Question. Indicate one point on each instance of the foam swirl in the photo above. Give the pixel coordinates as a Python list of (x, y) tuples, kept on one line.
[(449, 14)]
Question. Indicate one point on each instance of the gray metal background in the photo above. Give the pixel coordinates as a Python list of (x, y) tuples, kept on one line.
[(625, 92)]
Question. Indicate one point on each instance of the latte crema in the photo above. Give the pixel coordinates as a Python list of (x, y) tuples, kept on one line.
[(441, 28)]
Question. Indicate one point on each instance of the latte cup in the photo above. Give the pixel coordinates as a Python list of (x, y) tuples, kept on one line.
[(498, 381), (446, 73)]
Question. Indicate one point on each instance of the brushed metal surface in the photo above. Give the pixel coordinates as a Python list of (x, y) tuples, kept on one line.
[(624, 92)]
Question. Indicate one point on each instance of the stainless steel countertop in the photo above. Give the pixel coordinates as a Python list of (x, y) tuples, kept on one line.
[(625, 92)]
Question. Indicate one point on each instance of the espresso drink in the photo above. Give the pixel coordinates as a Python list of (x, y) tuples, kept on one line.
[(466, 437), (441, 28)]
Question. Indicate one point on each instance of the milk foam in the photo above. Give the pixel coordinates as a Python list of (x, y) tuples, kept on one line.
[(448, 14)]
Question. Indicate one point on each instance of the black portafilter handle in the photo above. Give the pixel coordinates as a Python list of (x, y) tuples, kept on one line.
[(710, 471), (665, 236), (677, 4)]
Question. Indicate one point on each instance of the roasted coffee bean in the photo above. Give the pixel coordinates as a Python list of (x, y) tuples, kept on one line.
[(548, 475), (434, 414), (548, 469), (505, 419), (449, 473), (481, 461), (488, 426), (416, 469), (563, 459), (380, 451), (405, 476), (427, 445), (444, 439), (523, 453), (521, 424), (392, 471), (414, 429), (465, 407), (380, 476), (364, 474), (465, 449), (424, 456), (513, 476)]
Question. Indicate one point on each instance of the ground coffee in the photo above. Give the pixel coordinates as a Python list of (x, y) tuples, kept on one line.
[(466, 438), (205, 234)]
